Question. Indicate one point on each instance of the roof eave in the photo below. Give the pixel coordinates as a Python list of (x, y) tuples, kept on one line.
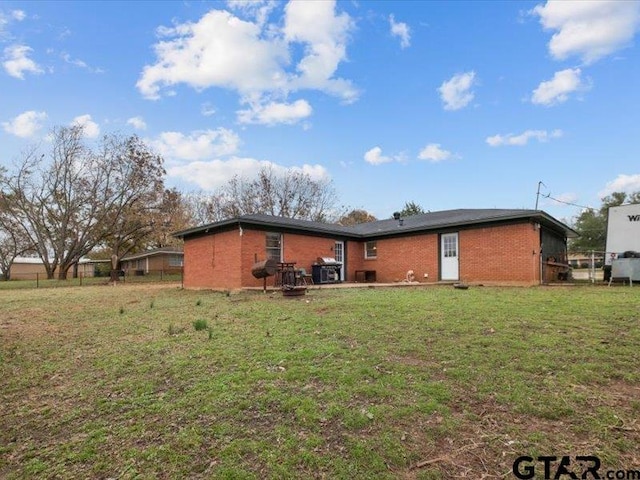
[(498, 219), (244, 222), (342, 232)]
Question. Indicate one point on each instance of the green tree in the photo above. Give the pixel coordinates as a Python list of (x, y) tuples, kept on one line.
[(591, 224), (411, 208)]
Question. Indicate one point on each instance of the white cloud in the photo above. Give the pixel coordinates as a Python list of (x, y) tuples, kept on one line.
[(557, 90), (523, 138), (206, 109), (622, 183), (374, 156), (216, 173), (79, 63), (589, 29), (257, 9), (219, 50), (434, 153), (198, 145), (18, 15), (273, 113), (252, 57), (400, 30), (26, 124), (90, 128), (456, 93), (17, 61), (324, 35), (138, 123), (7, 18), (73, 61), (315, 172)]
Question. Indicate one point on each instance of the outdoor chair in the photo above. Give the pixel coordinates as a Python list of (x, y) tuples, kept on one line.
[(303, 278)]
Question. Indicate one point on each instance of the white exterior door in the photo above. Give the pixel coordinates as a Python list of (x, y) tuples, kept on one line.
[(338, 252), (449, 256)]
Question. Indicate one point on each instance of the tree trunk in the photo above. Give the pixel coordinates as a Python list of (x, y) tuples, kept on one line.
[(115, 268), (62, 273)]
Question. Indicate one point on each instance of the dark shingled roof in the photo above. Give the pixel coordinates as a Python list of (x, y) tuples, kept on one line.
[(381, 228)]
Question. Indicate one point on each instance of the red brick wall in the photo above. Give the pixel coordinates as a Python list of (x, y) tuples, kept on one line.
[(507, 253), (396, 256), (302, 249), (305, 250), (355, 259), (213, 261), (224, 260)]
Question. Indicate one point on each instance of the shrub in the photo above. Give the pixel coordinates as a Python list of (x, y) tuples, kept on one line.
[(200, 324)]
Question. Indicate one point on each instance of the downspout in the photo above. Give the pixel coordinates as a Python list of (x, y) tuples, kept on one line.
[(538, 227), (541, 266)]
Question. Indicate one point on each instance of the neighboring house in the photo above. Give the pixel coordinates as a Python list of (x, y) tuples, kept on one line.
[(584, 260), (165, 260), (30, 268), (500, 246)]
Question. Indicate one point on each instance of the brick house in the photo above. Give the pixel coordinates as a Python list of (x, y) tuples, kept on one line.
[(160, 260), (499, 246), (31, 268)]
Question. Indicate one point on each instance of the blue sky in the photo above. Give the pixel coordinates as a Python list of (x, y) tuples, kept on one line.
[(447, 104)]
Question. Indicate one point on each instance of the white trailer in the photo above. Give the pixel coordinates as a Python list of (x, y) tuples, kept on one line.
[(623, 231)]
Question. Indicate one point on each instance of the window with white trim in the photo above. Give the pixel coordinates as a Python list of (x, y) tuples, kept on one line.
[(371, 249), (274, 246)]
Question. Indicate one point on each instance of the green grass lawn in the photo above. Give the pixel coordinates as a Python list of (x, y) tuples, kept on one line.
[(151, 381)]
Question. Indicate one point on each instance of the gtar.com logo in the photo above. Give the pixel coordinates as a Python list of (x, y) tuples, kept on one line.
[(525, 467), (568, 467)]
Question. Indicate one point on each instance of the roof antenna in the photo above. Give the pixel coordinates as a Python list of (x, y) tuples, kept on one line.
[(538, 193)]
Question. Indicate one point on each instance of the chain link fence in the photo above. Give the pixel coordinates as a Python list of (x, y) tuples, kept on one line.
[(40, 280)]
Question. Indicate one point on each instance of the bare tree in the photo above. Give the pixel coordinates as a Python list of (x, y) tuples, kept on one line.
[(71, 203), (173, 214), (291, 194), (136, 200), (12, 241), (44, 200), (202, 208)]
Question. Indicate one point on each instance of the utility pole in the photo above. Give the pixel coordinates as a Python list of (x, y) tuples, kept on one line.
[(538, 193)]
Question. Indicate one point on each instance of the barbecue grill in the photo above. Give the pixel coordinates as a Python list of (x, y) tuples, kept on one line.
[(326, 270)]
